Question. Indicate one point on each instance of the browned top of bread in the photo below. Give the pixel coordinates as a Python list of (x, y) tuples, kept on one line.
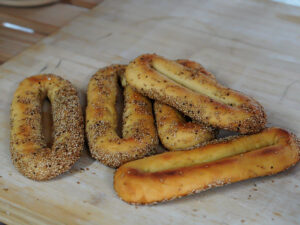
[(175, 174)]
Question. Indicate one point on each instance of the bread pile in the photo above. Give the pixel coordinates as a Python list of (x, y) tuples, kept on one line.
[(189, 107)]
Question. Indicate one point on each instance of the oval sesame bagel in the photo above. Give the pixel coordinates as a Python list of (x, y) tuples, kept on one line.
[(139, 132), (196, 95), (174, 131), (29, 150), (179, 173)]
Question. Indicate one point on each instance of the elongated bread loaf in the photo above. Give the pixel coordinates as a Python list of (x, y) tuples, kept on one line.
[(196, 95), (175, 174)]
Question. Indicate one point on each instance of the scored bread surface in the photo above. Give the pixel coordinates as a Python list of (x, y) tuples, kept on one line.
[(178, 173), (195, 94)]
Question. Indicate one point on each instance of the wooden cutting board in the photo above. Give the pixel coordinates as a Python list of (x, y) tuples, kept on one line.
[(251, 46)]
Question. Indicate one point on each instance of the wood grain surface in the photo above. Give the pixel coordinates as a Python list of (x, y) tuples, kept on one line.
[(43, 21), (252, 46)]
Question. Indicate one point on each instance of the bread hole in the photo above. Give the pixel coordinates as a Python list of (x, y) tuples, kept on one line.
[(47, 122), (186, 118), (120, 108)]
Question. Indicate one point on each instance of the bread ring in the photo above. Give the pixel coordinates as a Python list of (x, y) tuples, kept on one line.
[(194, 94), (175, 174), (29, 151), (174, 131), (139, 132)]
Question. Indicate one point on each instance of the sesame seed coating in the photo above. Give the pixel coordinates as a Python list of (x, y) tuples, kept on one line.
[(196, 67), (176, 133), (195, 94), (29, 151), (139, 137)]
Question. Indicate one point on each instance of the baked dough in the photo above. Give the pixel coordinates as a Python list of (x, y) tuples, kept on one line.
[(175, 174), (174, 131), (197, 67), (139, 132), (196, 95), (29, 151)]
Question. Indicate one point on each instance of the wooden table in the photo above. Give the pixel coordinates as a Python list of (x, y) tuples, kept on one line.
[(43, 21), (252, 46)]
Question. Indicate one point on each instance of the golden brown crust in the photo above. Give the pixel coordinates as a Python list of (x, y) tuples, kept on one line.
[(29, 151), (175, 174), (195, 94), (197, 67), (174, 131), (139, 132)]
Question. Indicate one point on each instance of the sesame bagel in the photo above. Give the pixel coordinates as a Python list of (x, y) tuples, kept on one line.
[(139, 132), (29, 150), (196, 95), (179, 173)]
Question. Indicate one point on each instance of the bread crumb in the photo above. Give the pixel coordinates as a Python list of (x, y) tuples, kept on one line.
[(276, 213)]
